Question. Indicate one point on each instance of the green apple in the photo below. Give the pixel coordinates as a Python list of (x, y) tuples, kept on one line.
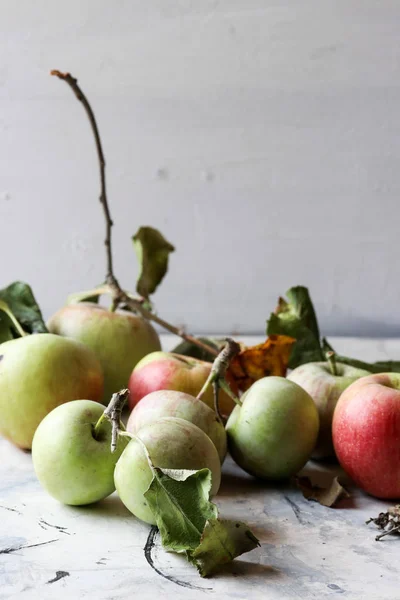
[(273, 433), (172, 443), (39, 372), (119, 339), (72, 463), (325, 388), (170, 371), (169, 403)]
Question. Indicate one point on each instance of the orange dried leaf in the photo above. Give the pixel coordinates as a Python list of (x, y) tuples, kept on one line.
[(255, 362)]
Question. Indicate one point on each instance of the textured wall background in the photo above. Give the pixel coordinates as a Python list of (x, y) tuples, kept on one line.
[(261, 136)]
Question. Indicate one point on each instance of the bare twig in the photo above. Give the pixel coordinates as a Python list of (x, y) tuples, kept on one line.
[(119, 295), (73, 83)]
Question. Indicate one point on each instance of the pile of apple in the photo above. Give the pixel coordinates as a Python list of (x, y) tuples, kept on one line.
[(359, 422), (320, 410)]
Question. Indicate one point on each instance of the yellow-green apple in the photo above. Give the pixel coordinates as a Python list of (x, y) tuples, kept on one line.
[(325, 389), (169, 371), (169, 403), (366, 433), (172, 443), (119, 339), (273, 433), (39, 372), (72, 461)]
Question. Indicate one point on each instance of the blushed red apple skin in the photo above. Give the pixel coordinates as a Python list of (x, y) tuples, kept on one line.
[(170, 403), (366, 434), (169, 371), (118, 339)]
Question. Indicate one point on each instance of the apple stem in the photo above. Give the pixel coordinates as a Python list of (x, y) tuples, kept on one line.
[(331, 358), (113, 414), (217, 375)]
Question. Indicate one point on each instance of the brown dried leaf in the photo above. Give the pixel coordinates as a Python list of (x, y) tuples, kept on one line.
[(255, 362), (327, 496)]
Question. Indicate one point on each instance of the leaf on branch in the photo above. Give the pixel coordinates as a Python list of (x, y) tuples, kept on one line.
[(188, 521), (255, 362), (297, 319), (21, 302), (327, 496), (220, 543), (152, 251), (189, 349), (89, 295)]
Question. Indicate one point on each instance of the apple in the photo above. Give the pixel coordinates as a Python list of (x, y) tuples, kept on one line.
[(172, 443), (366, 433), (273, 433), (39, 372), (72, 463), (169, 403), (119, 339), (325, 388), (169, 371)]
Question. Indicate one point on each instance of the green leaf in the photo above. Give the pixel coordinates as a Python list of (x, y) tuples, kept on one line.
[(189, 349), (221, 542), (180, 503), (21, 302), (152, 251), (296, 318), (89, 295), (188, 521), (6, 333)]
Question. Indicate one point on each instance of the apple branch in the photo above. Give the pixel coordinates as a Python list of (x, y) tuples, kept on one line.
[(113, 414), (217, 376), (73, 83), (119, 295)]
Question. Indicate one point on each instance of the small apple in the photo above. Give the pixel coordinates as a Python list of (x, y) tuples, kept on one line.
[(172, 443), (366, 433), (169, 403), (72, 462), (273, 433), (169, 371), (119, 339), (39, 372), (325, 388)]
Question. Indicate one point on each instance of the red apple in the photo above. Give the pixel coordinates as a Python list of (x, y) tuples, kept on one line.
[(169, 371), (366, 433)]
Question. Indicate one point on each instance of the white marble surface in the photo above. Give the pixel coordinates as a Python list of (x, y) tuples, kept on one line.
[(307, 551)]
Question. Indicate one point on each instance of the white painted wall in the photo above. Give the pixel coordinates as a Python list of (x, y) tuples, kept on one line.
[(261, 136)]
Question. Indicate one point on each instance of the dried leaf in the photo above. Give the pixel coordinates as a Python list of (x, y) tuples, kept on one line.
[(388, 521), (152, 251), (297, 319), (328, 496), (255, 362)]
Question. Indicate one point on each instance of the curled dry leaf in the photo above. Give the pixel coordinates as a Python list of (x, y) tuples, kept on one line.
[(327, 496), (255, 362), (388, 521)]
